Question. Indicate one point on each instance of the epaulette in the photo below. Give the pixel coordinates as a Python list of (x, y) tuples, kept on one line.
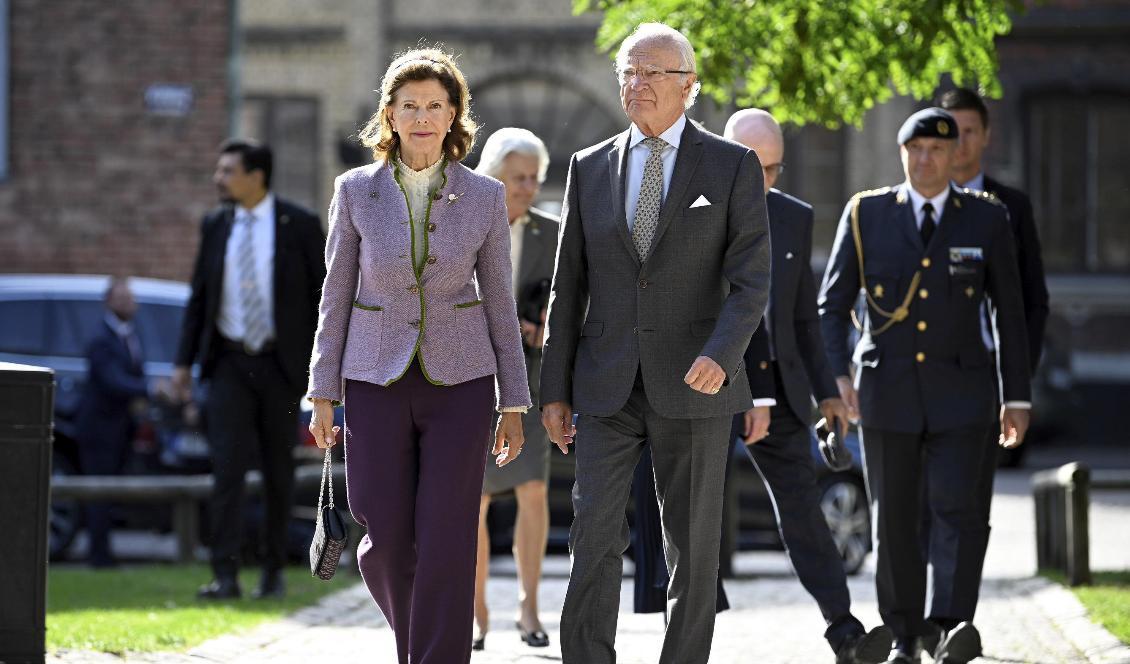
[(873, 192), (983, 195)]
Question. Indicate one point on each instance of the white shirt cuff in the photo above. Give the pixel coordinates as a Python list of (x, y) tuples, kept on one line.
[(759, 403), (1018, 405), (514, 409)]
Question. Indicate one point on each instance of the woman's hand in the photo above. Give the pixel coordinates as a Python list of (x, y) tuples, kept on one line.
[(322, 424), (508, 439)]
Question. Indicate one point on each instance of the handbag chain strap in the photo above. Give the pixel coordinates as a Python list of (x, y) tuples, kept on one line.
[(327, 477)]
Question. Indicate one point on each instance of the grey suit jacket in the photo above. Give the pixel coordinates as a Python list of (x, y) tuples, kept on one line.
[(794, 324), (701, 291)]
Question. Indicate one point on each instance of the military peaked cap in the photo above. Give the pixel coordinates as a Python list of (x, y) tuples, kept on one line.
[(928, 123)]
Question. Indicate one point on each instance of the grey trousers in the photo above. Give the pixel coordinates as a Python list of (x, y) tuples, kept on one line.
[(689, 461)]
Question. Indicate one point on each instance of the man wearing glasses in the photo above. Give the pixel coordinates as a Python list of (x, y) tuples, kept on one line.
[(662, 275)]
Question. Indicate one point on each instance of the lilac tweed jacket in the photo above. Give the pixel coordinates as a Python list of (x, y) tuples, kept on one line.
[(375, 314)]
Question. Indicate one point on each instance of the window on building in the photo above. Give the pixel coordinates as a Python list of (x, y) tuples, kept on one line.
[(1076, 145), (290, 126)]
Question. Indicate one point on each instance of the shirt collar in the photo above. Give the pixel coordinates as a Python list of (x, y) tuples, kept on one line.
[(977, 183), (521, 221), (672, 136), (122, 328), (261, 211), (918, 200)]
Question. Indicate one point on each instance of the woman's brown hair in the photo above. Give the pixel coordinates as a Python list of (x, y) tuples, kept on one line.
[(422, 64)]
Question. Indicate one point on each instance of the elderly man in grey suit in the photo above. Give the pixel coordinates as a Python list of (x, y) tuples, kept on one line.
[(662, 276)]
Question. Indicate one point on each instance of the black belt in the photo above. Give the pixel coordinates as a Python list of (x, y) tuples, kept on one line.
[(233, 346)]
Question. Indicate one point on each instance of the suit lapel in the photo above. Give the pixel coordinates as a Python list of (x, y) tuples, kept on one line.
[(531, 250), (617, 172), (906, 221), (219, 259), (690, 151), (282, 226)]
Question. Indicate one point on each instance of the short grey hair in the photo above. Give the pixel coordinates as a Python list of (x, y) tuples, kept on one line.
[(512, 140), (662, 32)]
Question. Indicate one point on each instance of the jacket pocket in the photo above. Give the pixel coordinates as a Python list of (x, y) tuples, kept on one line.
[(363, 339), (468, 305), (367, 307), (592, 328)]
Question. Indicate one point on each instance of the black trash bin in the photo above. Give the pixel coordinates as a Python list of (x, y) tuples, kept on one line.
[(26, 398)]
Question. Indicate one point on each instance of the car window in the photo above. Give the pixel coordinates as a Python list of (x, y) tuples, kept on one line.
[(76, 323), (158, 327), (23, 326)]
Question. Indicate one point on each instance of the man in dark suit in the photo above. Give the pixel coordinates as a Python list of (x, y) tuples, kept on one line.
[(662, 275), (925, 255), (116, 380), (250, 324), (787, 369)]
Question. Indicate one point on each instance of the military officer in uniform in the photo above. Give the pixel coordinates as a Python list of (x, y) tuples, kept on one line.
[(926, 254)]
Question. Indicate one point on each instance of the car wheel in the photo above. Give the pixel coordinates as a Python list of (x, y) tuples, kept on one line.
[(844, 503), (66, 515)]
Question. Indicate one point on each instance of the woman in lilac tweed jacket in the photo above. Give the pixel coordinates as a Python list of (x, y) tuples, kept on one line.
[(416, 325)]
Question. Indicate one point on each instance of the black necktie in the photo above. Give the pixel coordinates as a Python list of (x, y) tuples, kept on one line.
[(928, 224)]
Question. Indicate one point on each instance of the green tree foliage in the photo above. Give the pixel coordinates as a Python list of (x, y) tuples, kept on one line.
[(824, 61)]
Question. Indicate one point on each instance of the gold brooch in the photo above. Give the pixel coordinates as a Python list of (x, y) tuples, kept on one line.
[(878, 290), (943, 128), (451, 198)]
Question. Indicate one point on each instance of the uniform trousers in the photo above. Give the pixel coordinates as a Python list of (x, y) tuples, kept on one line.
[(689, 462), (414, 461), (944, 469)]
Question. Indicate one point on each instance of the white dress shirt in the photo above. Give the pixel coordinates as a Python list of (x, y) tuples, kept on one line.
[(260, 222), (637, 159), (517, 234)]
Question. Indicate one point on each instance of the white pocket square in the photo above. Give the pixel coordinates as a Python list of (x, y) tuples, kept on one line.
[(700, 202)]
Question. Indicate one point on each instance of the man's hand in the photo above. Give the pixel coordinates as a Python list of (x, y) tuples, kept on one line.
[(849, 397), (322, 424), (705, 376), (557, 418), (182, 383), (756, 424), (1014, 424), (508, 439), (835, 410)]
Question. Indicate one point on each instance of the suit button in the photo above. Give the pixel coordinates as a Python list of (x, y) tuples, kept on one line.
[(643, 283), (921, 326), (925, 262), (921, 357), (923, 293), (431, 260), (764, 365), (415, 323), (635, 330), (431, 227), (413, 289)]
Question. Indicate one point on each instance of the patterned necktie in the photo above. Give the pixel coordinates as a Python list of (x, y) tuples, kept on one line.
[(928, 224), (251, 300), (651, 197)]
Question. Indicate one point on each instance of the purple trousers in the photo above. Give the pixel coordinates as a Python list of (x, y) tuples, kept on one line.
[(414, 461)]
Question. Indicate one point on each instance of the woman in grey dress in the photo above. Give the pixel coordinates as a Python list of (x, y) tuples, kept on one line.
[(519, 159)]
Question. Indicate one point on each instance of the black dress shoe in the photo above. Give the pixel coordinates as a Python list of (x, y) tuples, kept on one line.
[(479, 643), (271, 586), (905, 651), (866, 647), (930, 640), (220, 589), (534, 639), (960, 645)]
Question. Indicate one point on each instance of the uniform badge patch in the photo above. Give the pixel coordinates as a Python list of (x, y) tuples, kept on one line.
[(965, 254)]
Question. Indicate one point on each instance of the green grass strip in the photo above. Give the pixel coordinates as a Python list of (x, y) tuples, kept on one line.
[(1107, 600), (149, 608)]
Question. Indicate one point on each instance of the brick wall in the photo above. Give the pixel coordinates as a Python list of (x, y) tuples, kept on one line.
[(96, 183)]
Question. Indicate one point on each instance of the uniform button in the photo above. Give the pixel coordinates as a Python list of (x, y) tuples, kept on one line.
[(923, 293), (925, 262), (921, 357), (413, 289), (431, 260), (921, 326), (431, 227), (764, 364), (635, 330), (643, 283)]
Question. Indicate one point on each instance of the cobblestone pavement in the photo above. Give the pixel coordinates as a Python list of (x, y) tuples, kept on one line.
[(1022, 618)]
